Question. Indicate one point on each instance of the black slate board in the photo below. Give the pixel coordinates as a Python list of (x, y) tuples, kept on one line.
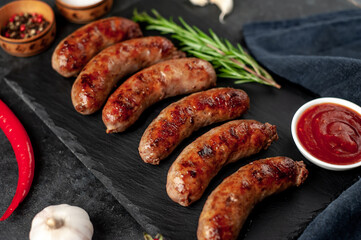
[(139, 187)]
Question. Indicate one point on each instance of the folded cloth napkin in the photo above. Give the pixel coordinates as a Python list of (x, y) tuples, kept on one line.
[(340, 220), (323, 54)]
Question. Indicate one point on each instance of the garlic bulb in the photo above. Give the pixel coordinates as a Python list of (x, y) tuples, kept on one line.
[(61, 222), (225, 6)]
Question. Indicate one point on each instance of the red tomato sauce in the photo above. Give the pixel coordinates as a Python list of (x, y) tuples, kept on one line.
[(331, 133)]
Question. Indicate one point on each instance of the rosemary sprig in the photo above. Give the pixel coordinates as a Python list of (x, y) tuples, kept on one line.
[(229, 61)]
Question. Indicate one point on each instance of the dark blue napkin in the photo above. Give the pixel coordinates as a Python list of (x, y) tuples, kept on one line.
[(340, 220), (323, 54)]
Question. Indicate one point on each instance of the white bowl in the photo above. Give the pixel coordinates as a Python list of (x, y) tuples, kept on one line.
[(300, 147)]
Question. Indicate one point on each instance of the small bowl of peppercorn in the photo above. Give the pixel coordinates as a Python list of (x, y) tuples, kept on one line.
[(27, 27), (83, 11)]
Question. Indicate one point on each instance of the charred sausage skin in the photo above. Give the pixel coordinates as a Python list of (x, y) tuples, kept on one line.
[(157, 82), (73, 52), (180, 119), (94, 83), (201, 160), (229, 205)]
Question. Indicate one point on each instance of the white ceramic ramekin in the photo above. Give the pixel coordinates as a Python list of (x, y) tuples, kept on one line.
[(304, 152)]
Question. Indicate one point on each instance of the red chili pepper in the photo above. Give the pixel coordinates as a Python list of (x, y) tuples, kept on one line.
[(20, 141)]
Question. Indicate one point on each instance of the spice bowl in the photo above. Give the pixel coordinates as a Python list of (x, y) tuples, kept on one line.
[(336, 130), (32, 45), (83, 11)]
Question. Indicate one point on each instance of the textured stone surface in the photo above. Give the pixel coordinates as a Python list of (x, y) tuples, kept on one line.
[(61, 178)]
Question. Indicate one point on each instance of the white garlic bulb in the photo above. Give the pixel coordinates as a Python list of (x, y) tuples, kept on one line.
[(61, 222)]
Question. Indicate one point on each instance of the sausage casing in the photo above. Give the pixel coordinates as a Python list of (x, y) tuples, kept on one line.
[(74, 51), (201, 160), (229, 205), (97, 79), (180, 119), (157, 82)]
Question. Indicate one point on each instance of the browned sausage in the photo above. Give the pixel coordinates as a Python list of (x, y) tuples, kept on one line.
[(162, 80), (73, 52), (180, 119), (97, 79), (229, 205), (201, 160)]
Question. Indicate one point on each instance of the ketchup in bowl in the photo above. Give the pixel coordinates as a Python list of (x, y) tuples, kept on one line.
[(328, 130)]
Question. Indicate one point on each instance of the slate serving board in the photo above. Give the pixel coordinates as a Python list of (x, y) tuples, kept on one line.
[(140, 187)]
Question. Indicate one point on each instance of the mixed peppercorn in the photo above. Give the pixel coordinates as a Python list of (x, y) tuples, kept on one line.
[(24, 25)]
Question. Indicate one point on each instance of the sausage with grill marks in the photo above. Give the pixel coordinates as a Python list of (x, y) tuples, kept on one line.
[(201, 160), (74, 51), (229, 205), (157, 82), (95, 82), (180, 119)]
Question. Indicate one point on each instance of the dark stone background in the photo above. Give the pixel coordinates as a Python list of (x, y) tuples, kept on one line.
[(60, 177)]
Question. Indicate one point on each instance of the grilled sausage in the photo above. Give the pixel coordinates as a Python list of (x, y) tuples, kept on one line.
[(73, 52), (97, 79), (180, 119), (201, 160), (229, 205), (162, 80)]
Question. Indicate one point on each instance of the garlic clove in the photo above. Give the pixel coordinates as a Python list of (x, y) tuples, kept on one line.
[(71, 233), (225, 6), (40, 232), (201, 3)]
